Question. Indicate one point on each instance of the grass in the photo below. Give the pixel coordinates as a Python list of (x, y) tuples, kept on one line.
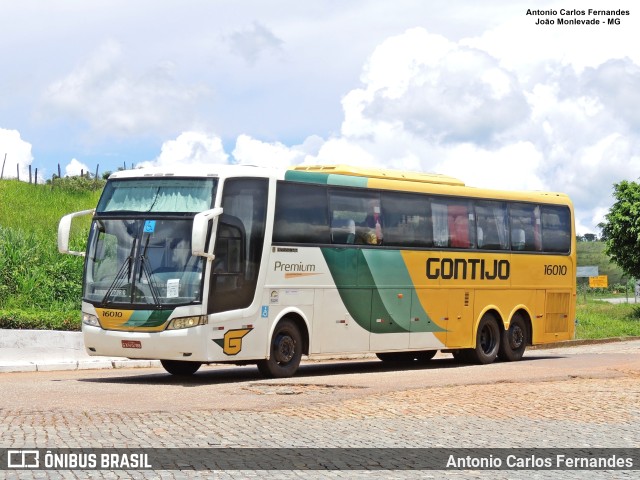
[(40, 288), (600, 319)]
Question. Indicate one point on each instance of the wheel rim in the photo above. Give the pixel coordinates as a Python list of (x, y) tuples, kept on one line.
[(517, 337), (285, 349), (487, 339)]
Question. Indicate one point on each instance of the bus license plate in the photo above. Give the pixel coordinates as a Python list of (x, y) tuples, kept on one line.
[(131, 344)]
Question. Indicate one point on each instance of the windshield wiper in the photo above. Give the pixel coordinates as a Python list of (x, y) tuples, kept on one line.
[(144, 264), (126, 266)]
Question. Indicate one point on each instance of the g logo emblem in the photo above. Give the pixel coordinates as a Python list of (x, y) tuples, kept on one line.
[(232, 342)]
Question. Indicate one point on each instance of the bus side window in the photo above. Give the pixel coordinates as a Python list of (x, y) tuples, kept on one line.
[(525, 227), (492, 225), (452, 223), (407, 220), (301, 214), (343, 231), (556, 229), (459, 226), (355, 212)]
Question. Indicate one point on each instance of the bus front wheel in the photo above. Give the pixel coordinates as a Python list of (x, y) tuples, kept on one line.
[(180, 368), (487, 341), (514, 340), (285, 351)]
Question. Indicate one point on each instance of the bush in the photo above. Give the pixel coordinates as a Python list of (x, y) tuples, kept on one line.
[(40, 320), (76, 184)]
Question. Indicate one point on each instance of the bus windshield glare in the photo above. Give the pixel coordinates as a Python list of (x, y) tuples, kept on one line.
[(167, 195)]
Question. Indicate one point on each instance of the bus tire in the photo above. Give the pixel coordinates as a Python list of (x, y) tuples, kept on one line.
[(285, 351), (487, 341), (514, 340), (180, 368)]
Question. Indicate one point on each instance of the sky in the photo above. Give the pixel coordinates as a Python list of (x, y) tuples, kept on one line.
[(482, 91)]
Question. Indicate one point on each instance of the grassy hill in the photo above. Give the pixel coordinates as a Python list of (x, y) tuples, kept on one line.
[(592, 254), (39, 288)]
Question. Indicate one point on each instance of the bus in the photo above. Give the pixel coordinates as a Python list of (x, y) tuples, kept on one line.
[(249, 265)]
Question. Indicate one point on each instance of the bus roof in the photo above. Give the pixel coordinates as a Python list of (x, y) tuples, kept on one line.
[(346, 175), (382, 173), (199, 171)]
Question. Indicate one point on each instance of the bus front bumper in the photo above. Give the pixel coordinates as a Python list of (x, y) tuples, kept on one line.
[(184, 344)]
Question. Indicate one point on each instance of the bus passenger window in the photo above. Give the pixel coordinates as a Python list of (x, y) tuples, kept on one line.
[(452, 223), (407, 220), (525, 227), (458, 218), (556, 229), (301, 214), (355, 213), (492, 225), (343, 231)]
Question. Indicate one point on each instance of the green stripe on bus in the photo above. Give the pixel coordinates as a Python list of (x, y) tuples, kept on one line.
[(368, 282), (148, 318), (308, 177), (325, 178), (348, 181)]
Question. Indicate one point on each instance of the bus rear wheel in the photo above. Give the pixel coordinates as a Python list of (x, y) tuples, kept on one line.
[(487, 341), (514, 340), (285, 351), (180, 368)]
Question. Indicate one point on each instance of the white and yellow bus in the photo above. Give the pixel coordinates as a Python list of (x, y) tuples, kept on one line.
[(249, 265)]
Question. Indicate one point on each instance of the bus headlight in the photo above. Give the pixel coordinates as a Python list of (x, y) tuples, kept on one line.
[(91, 320), (187, 322)]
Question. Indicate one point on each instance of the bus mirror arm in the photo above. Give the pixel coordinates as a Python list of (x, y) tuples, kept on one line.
[(64, 229), (200, 230)]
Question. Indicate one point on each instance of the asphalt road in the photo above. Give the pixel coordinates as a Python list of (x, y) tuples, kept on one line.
[(583, 396)]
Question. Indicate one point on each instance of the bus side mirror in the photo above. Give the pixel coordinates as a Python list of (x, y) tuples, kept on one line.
[(200, 230), (64, 229)]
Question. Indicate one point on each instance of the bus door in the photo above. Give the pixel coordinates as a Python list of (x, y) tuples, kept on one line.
[(239, 244)]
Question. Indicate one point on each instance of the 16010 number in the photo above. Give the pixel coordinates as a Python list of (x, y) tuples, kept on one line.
[(555, 270)]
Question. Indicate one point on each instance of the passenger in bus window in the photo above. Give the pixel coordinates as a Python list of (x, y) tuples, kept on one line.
[(374, 222)]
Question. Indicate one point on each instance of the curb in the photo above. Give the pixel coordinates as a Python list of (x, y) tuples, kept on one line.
[(580, 342)]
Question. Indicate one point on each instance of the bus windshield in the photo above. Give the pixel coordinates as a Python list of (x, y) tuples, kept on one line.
[(142, 262), (167, 195)]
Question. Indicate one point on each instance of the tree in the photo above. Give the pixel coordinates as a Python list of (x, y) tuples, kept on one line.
[(590, 237), (622, 228)]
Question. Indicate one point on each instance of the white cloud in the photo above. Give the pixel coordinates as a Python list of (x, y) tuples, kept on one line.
[(115, 100), (190, 148), (253, 43), (74, 168), (249, 151), (440, 90), (15, 155)]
